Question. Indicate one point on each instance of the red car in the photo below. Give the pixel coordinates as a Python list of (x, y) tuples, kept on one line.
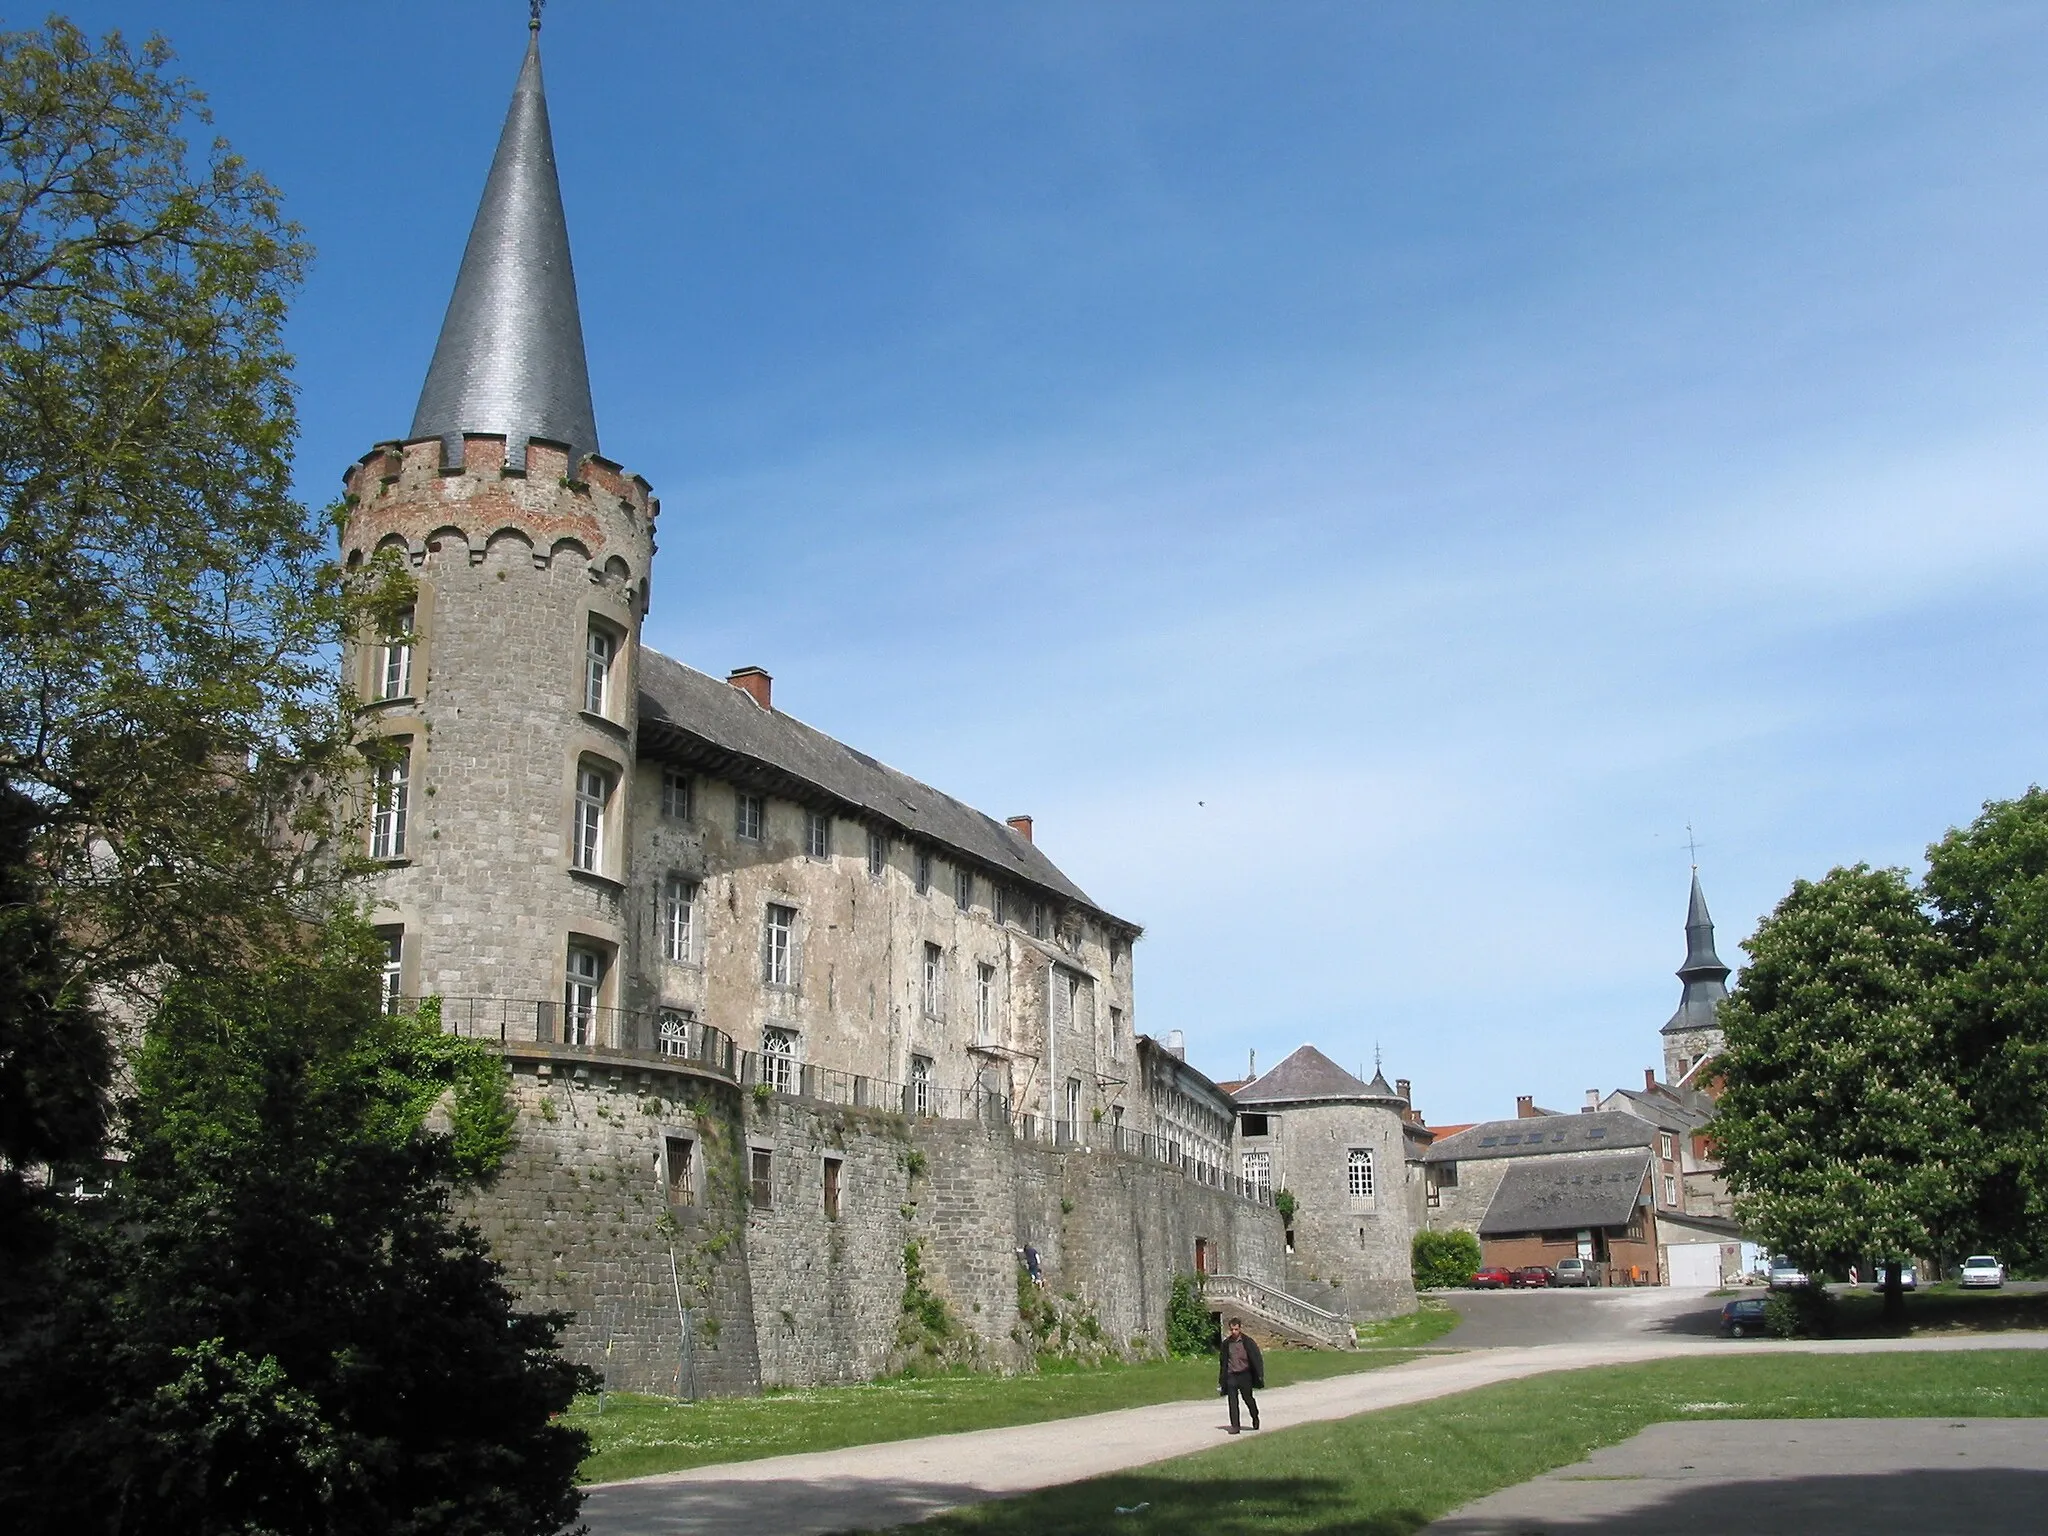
[(1530, 1277), (1491, 1278)]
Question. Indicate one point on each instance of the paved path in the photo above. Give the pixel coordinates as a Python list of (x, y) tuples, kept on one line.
[(872, 1487), (1498, 1319), (1819, 1477)]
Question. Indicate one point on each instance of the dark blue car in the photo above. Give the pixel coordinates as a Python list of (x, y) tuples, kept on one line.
[(1743, 1315)]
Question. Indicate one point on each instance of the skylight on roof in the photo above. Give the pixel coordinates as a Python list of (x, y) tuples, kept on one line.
[(1489, 1141)]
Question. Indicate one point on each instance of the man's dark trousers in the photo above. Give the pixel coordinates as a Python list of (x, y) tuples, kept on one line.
[(1241, 1369), (1239, 1384)]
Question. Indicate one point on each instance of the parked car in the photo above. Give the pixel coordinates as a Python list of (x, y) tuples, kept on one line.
[(1492, 1278), (1909, 1278), (1982, 1269), (1744, 1315), (1574, 1272), (1787, 1276), (1530, 1277)]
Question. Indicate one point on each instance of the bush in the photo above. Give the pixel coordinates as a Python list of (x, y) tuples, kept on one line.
[(1801, 1314), (1444, 1260), (1190, 1328)]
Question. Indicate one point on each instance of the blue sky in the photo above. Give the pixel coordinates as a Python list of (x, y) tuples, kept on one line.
[(1362, 476)]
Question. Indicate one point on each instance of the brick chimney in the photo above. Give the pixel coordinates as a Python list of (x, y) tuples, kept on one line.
[(1402, 1087), (754, 683), (1021, 825), (1649, 1079), (1525, 1107)]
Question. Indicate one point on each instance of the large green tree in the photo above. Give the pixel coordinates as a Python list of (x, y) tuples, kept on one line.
[(270, 1324), (1843, 1128)]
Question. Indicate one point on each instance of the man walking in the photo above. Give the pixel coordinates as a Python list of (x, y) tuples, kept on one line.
[(1241, 1370)]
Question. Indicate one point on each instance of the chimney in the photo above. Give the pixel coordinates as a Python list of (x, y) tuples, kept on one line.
[(1176, 1042), (1592, 1101), (1525, 1107), (1649, 1079), (1401, 1087), (754, 683), (1251, 1065), (1021, 825)]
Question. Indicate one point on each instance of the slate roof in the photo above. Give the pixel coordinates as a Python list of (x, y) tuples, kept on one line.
[(1308, 1075), (510, 355), (1704, 976), (1660, 1110), (1567, 1193), (696, 720), (1544, 1135)]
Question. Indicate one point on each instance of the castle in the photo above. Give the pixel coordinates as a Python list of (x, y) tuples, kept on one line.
[(819, 1071)]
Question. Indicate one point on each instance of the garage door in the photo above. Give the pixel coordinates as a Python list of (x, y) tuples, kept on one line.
[(1694, 1263)]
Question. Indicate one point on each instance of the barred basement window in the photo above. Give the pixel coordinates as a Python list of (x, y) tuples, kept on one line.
[(676, 795), (817, 835), (387, 823), (748, 815), (681, 1172), (1358, 1171), (678, 917)]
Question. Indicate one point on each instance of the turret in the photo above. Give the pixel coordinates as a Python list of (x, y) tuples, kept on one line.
[(1694, 1031), (502, 831)]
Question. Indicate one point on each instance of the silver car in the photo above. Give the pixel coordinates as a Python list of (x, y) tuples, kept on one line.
[(1574, 1272), (1981, 1269), (1787, 1276)]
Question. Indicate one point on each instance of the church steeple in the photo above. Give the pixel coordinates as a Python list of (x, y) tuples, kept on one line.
[(510, 358), (1706, 984)]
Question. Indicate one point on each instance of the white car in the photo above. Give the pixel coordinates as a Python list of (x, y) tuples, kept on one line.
[(1787, 1276), (1909, 1278), (1982, 1269)]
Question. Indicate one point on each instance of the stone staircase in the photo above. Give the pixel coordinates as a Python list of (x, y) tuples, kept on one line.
[(1287, 1317)]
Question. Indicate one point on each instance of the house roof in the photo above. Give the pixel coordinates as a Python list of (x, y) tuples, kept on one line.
[(1662, 1110), (1307, 1075), (1565, 1194), (691, 718), (1544, 1135)]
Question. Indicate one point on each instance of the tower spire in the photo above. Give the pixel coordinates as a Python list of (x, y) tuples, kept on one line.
[(1706, 983), (510, 356)]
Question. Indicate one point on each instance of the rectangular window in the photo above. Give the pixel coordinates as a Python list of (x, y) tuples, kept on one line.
[(586, 849), (762, 1185), (1670, 1190), (921, 1095), (832, 1167), (1358, 1172), (394, 659), (924, 872), (1073, 1109), (675, 1032), (984, 1002), (681, 1173), (597, 671), (1116, 1030), (678, 917), (934, 982), (1258, 1170), (1041, 920), (1254, 1125), (817, 835), (963, 888), (579, 996), (392, 979), (1664, 1145), (778, 943), (878, 854), (779, 1059), (394, 791), (675, 795), (748, 815)]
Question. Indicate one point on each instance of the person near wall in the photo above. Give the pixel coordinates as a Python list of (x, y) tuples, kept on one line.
[(1240, 1372)]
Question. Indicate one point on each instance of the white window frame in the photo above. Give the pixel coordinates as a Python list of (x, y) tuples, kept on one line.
[(582, 985), (675, 795), (674, 1032), (393, 782), (1070, 1108), (781, 1050), (394, 660), (778, 945), (587, 830), (921, 1086), (934, 990), (1671, 1189), (749, 816), (984, 1002), (818, 835), (1359, 1173), (1258, 1169), (678, 917), (600, 656), (878, 854), (391, 977)]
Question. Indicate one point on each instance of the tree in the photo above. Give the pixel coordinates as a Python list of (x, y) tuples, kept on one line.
[(167, 610), (1443, 1260), (271, 1324), (1841, 1126)]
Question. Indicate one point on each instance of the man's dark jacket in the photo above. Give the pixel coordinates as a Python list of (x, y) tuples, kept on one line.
[(1252, 1358)]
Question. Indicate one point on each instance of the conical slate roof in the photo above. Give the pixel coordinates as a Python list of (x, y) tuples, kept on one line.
[(1705, 977), (510, 357), (1308, 1074)]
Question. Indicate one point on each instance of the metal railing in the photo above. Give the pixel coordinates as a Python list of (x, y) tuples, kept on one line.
[(1290, 1312), (663, 1036)]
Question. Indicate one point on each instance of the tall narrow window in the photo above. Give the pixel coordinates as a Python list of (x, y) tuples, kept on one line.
[(598, 655), (1358, 1173), (963, 888), (681, 1172), (678, 917), (586, 849), (392, 978), (924, 871), (1116, 1030), (832, 1167), (761, 1187), (748, 816), (934, 982), (878, 854), (579, 996), (1258, 1170), (778, 1059), (1073, 1109), (922, 1096), (675, 795), (817, 835), (387, 823), (984, 1003), (778, 943), (1041, 920), (394, 659)]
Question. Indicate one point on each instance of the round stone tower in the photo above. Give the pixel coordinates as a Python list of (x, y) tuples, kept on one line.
[(501, 825)]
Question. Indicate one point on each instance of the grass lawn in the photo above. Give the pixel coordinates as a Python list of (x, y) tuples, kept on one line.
[(1390, 1473), (636, 1435), (1425, 1325), (1942, 1308)]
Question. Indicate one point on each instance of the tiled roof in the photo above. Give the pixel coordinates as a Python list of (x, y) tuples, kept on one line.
[(1567, 1193), (1544, 1135), (691, 718), (1306, 1075)]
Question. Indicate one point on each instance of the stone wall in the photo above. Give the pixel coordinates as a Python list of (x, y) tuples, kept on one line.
[(1351, 1253)]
